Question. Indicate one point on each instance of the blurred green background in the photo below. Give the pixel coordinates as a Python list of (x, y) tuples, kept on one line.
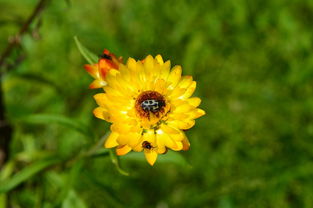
[(253, 62)]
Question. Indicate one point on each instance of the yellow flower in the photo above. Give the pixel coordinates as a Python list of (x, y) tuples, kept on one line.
[(149, 106)]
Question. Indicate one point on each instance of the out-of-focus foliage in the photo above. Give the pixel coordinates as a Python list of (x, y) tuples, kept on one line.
[(253, 62)]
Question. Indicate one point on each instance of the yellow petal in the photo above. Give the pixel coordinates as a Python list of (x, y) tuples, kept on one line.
[(160, 86), (190, 90), (159, 59), (169, 130), (121, 128), (181, 124), (165, 139), (151, 156), (149, 64), (132, 64), (185, 82), (186, 144), (165, 70), (183, 108), (174, 76), (194, 101), (177, 137), (172, 131), (116, 83), (112, 92), (161, 149), (122, 150), (178, 116), (167, 64), (101, 113), (178, 146), (138, 147), (123, 139), (149, 136), (134, 139), (100, 98), (111, 140), (182, 87), (196, 113), (113, 72), (92, 70), (177, 92), (98, 83), (178, 102)]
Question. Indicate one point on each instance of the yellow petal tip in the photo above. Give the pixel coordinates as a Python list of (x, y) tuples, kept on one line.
[(151, 156)]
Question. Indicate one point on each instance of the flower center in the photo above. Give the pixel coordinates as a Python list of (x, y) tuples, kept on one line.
[(150, 102)]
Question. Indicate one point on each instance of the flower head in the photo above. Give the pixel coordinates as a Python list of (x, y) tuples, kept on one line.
[(99, 70), (149, 105)]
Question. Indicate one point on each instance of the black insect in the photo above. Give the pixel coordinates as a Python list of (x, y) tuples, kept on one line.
[(105, 56), (152, 105), (146, 145)]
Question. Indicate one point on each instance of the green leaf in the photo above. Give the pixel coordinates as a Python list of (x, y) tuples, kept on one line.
[(7, 170), (3, 201), (67, 122), (32, 77), (26, 173), (70, 178), (90, 57), (73, 201), (105, 188)]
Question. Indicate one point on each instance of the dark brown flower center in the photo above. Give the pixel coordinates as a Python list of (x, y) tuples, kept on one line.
[(150, 102)]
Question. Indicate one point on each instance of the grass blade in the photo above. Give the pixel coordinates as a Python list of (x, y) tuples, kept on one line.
[(90, 57), (67, 122), (26, 173)]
